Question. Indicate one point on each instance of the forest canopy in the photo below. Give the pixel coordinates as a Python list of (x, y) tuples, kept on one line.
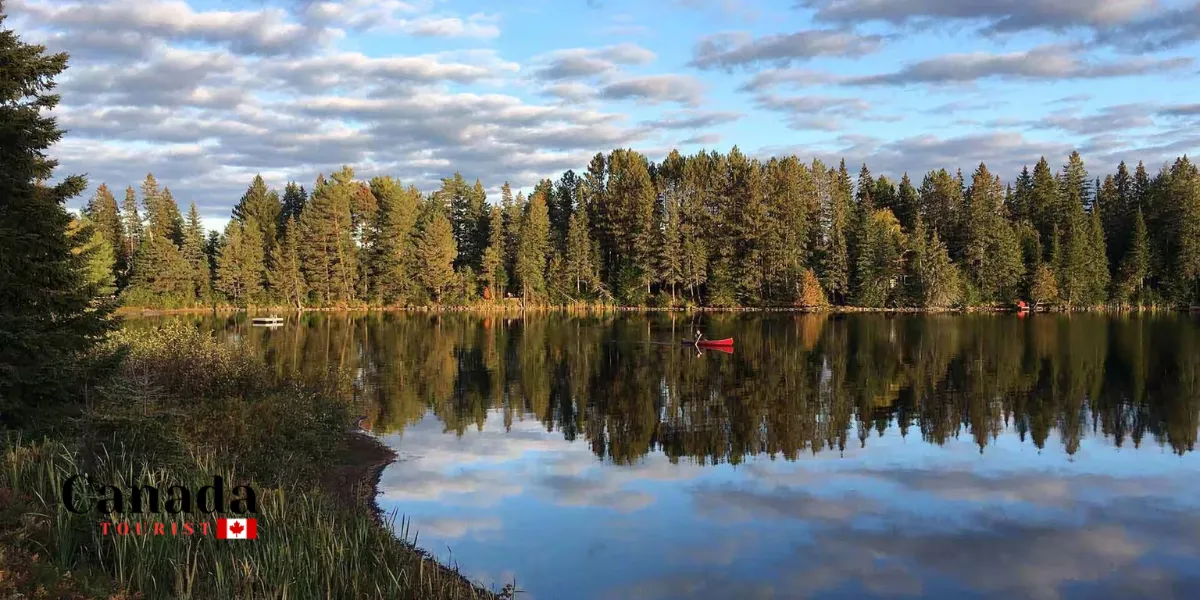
[(712, 229)]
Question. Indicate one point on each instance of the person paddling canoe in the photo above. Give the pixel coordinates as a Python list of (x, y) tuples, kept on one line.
[(699, 337)]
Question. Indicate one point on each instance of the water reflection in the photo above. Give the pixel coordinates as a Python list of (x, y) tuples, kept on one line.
[(829, 456)]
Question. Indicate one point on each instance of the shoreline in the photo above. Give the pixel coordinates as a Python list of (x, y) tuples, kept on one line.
[(354, 483), (139, 311)]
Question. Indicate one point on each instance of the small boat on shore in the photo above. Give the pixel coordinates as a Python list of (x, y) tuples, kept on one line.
[(719, 343)]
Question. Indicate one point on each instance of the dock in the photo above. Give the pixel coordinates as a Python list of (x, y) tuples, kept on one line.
[(267, 321)]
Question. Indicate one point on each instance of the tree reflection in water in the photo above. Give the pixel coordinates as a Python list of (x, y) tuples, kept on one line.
[(796, 382)]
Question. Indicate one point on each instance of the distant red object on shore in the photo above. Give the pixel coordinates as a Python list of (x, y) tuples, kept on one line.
[(724, 342), (1022, 306)]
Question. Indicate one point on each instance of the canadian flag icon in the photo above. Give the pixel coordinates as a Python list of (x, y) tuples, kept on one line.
[(237, 529)]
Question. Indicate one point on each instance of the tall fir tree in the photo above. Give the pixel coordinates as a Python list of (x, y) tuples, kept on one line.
[(492, 271), (436, 252), (390, 264), (933, 280), (103, 212), (1135, 266), (907, 204), (96, 253), (193, 253), (327, 246), (132, 221), (533, 248), (292, 204), (287, 277)]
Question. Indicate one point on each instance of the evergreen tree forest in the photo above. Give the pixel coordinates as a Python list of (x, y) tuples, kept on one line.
[(715, 230)]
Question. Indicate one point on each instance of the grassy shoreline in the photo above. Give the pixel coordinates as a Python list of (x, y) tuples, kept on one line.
[(181, 408)]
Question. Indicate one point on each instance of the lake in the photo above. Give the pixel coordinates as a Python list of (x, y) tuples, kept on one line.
[(828, 456)]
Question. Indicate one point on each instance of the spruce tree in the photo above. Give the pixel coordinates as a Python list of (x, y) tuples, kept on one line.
[(392, 241), (512, 210), (907, 204), (193, 253), (492, 270), (882, 246), (436, 252), (96, 253), (1098, 276), (327, 248), (933, 280), (233, 278), (533, 247), (579, 264), (669, 260), (1136, 265), (565, 198), (264, 206), (161, 277), (1043, 203), (133, 231), (103, 212), (294, 199), (1182, 197), (287, 278)]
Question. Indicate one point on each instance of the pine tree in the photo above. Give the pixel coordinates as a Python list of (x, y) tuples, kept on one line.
[(294, 199), (161, 277), (287, 278), (907, 204), (212, 249), (991, 250), (512, 210), (264, 206), (836, 267), (565, 198), (1021, 207), (940, 200), (96, 254), (579, 264), (933, 280), (1044, 289), (103, 212), (132, 222), (627, 224), (327, 249), (669, 263), (193, 253), (1182, 197), (1098, 276), (233, 280), (533, 247), (436, 252), (882, 246), (467, 211), (1136, 264), (1043, 203), (492, 270), (391, 241)]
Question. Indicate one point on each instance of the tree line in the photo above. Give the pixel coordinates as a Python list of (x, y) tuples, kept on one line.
[(712, 229)]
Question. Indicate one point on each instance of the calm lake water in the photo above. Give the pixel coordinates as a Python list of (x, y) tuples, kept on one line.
[(854, 456)]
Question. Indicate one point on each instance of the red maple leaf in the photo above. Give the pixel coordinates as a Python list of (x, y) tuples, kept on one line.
[(236, 528)]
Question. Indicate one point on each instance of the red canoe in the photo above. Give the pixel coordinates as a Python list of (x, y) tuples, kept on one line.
[(724, 342)]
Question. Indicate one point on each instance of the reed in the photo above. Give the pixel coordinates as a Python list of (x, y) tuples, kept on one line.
[(169, 418)]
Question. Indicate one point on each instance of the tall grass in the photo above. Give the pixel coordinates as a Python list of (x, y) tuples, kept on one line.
[(176, 415)]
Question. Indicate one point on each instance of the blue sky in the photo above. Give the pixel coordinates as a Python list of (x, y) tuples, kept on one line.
[(207, 93)]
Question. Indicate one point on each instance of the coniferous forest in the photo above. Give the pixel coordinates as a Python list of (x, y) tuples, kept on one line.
[(718, 230)]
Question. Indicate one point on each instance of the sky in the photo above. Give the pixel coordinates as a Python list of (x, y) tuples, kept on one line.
[(205, 94)]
